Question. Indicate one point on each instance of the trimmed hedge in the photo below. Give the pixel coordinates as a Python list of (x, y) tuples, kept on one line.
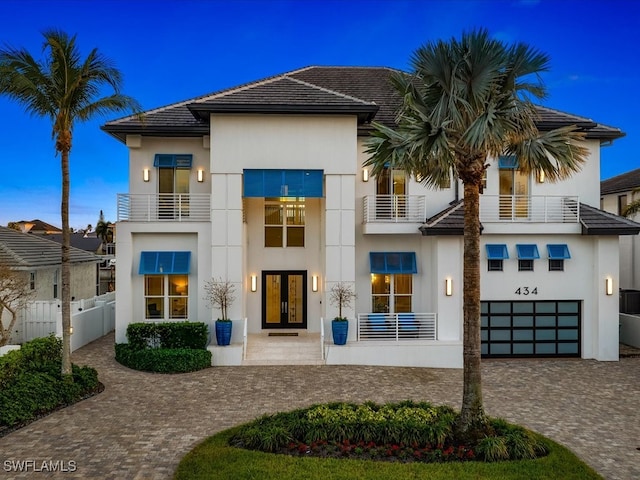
[(163, 360), (31, 383), (171, 335), (169, 347)]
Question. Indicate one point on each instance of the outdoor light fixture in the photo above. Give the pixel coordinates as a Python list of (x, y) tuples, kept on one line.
[(254, 283), (314, 283), (541, 176), (365, 174), (70, 330), (145, 174), (200, 175), (608, 284), (448, 286)]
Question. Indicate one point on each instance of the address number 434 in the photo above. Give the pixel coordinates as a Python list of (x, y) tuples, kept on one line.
[(526, 291)]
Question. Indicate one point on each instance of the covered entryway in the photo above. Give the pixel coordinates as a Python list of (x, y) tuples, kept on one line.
[(531, 329), (284, 299)]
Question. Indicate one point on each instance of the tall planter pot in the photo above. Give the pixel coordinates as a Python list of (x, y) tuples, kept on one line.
[(223, 332), (340, 331)]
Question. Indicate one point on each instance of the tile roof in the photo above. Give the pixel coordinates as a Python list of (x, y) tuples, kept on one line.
[(593, 221), (365, 91), (26, 250), (78, 240), (624, 182)]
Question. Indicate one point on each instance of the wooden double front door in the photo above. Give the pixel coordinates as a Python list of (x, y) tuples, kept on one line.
[(284, 299)]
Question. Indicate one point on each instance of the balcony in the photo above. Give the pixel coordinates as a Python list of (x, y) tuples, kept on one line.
[(164, 207), (529, 209), (393, 213)]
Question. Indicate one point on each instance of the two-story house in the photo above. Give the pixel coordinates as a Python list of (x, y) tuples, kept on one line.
[(263, 185)]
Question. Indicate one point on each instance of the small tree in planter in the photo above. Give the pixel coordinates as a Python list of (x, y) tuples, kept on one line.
[(221, 294), (341, 296)]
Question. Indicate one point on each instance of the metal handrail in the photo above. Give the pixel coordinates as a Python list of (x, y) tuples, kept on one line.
[(394, 208), (158, 207), (397, 326), (244, 339), (530, 208), (322, 338)]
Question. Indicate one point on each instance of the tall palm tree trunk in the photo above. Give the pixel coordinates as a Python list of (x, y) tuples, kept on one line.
[(472, 422), (63, 144)]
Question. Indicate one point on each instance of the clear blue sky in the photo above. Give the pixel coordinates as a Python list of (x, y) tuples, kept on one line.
[(170, 51)]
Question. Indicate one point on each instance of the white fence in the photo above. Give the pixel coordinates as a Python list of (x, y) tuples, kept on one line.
[(397, 326), (90, 319)]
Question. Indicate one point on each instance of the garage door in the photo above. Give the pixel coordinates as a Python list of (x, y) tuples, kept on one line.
[(531, 329)]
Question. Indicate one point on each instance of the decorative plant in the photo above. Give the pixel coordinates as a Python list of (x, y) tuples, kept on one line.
[(341, 296), (220, 294)]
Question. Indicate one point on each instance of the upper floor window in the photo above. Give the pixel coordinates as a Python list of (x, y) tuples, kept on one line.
[(173, 184), (284, 222), (513, 189), (32, 280), (622, 203)]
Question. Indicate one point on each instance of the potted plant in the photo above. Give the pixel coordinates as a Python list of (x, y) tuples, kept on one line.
[(221, 294), (341, 296)]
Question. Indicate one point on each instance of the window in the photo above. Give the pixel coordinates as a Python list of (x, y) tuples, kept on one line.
[(391, 293), (173, 184), (284, 221), (527, 253), (391, 191), (32, 281), (496, 253), (558, 253), (55, 283), (513, 189), (622, 203), (166, 297)]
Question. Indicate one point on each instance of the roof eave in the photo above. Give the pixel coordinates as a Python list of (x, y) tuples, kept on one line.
[(365, 113)]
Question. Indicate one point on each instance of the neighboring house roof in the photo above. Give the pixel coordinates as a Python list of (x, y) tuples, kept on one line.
[(38, 226), (24, 250), (79, 240), (593, 221), (364, 91), (624, 182)]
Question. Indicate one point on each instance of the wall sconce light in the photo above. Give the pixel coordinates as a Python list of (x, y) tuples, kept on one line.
[(448, 286), (145, 174), (365, 174), (608, 285), (254, 283), (70, 330), (541, 176), (200, 175), (314, 283)]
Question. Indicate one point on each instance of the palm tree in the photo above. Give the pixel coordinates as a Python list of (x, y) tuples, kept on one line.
[(103, 229), (634, 207), (66, 89), (466, 102)]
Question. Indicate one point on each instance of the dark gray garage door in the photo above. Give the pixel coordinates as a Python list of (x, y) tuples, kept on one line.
[(531, 329)]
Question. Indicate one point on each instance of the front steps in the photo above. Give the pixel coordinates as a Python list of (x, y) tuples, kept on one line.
[(303, 349)]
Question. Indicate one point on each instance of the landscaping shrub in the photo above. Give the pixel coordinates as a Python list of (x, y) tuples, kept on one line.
[(192, 335), (32, 384), (163, 360), (405, 431)]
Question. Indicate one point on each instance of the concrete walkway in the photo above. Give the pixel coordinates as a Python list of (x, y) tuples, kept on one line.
[(143, 424)]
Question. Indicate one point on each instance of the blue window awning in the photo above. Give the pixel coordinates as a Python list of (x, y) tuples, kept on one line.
[(558, 251), (393, 262), (167, 160), (264, 183), (497, 251), (508, 161), (164, 263), (527, 251)]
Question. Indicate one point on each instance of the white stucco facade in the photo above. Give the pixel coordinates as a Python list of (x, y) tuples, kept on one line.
[(226, 231)]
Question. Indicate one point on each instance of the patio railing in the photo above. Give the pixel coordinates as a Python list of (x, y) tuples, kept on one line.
[(397, 326), (529, 208), (159, 207), (394, 208)]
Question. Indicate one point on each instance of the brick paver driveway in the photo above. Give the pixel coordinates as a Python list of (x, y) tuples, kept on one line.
[(143, 424)]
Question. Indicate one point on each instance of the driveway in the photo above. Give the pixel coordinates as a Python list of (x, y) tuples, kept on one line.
[(143, 423)]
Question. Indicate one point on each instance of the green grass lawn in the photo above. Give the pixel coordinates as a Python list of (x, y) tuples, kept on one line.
[(213, 458)]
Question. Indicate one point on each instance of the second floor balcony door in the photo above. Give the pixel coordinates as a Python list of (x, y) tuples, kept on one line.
[(391, 191), (514, 194), (173, 190)]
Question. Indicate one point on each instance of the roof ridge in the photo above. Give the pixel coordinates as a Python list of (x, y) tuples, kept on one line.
[(445, 213)]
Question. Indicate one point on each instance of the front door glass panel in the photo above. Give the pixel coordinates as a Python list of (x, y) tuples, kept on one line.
[(284, 299)]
